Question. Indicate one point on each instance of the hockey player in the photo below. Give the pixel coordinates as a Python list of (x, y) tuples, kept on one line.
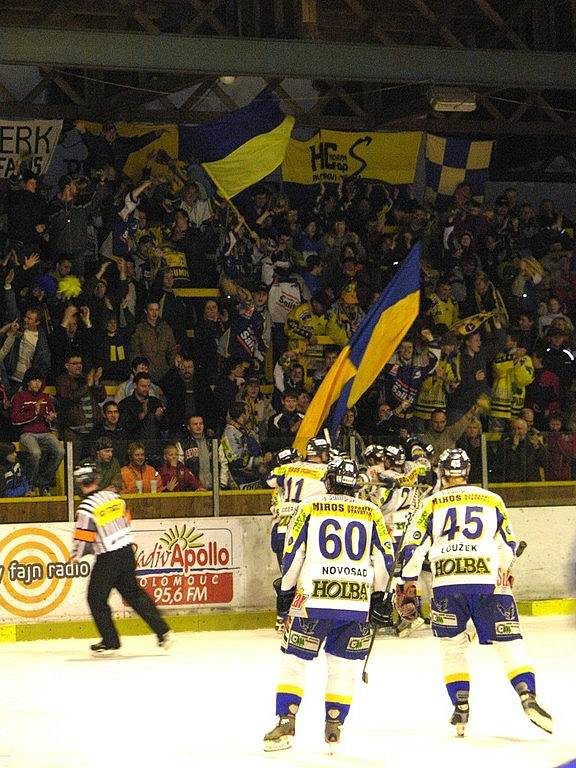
[(398, 505), (332, 533), (469, 539), (103, 529), (281, 512), (305, 478), (297, 481)]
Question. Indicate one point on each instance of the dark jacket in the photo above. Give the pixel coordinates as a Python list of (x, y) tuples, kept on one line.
[(148, 428), (68, 223), (25, 210), (178, 409), (62, 345), (518, 464), (115, 153)]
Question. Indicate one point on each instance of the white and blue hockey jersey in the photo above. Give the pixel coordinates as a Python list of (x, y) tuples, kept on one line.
[(468, 536), (337, 552)]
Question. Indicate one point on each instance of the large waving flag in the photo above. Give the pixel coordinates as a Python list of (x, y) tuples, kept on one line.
[(367, 352), (244, 146)]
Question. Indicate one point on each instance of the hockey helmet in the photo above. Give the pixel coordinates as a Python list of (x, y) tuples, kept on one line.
[(342, 476), (418, 448), (374, 453), (395, 455), (454, 462), (317, 447), (86, 473), (286, 456)]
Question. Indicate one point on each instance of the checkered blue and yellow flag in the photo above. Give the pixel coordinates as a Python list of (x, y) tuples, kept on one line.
[(450, 161)]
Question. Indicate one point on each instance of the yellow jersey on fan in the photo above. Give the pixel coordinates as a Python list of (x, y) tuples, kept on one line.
[(468, 536)]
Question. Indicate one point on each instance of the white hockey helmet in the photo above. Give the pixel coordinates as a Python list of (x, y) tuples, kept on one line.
[(342, 476), (374, 453), (395, 455), (454, 462), (317, 447)]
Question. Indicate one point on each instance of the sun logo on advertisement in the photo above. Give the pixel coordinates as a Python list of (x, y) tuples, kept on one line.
[(186, 537), (35, 572)]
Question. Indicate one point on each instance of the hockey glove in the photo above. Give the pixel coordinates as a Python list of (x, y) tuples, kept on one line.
[(380, 613), (283, 597), (407, 601)]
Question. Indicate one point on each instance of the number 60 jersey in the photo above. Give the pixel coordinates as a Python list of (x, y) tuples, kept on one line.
[(337, 552), (468, 536)]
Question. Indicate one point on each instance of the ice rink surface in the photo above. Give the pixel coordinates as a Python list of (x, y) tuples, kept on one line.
[(209, 700)]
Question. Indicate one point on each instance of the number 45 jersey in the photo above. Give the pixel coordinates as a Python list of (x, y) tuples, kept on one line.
[(468, 536), (337, 552)]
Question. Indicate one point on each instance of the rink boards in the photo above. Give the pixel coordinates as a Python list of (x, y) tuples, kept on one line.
[(216, 573)]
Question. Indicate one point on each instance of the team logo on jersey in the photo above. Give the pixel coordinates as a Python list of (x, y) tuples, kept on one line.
[(299, 600), (460, 566), (358, 643), (304, 642), (443, 619), (509, 612), (507, 628), (339, 590), (308, 626), (440, 605)]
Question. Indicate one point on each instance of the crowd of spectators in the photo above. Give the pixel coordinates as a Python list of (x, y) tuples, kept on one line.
[(141, 379)]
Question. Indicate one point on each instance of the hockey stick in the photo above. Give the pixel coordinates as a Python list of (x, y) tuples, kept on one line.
[(421, 491)]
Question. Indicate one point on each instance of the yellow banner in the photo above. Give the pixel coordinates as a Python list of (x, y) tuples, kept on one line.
[(330, 156), (177, 261)]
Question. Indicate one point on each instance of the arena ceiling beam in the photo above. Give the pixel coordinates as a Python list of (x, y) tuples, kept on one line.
[(141, 51)]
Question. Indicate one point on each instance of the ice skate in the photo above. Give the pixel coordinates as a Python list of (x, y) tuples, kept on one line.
[(166, 640), (282, 735), (332, 731), (280, 623), (101, 649), (406, 627), (461, 714), (533, 710)]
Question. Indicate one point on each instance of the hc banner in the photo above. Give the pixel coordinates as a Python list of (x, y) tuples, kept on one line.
[(450, 161), (330, 156), (33, 140)]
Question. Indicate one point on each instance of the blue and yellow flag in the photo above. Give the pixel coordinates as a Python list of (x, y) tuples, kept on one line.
[(367, 352), (244, 146), (450, 161)]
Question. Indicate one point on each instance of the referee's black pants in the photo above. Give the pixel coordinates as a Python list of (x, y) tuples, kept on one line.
[(117, 569)]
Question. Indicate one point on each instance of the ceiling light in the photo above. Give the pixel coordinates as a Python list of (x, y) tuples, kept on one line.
[(452, 99)]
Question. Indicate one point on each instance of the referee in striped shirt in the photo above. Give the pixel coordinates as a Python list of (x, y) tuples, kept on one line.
[(103, 529)]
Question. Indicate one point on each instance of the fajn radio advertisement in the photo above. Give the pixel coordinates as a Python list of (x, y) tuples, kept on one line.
[(182, 564)]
